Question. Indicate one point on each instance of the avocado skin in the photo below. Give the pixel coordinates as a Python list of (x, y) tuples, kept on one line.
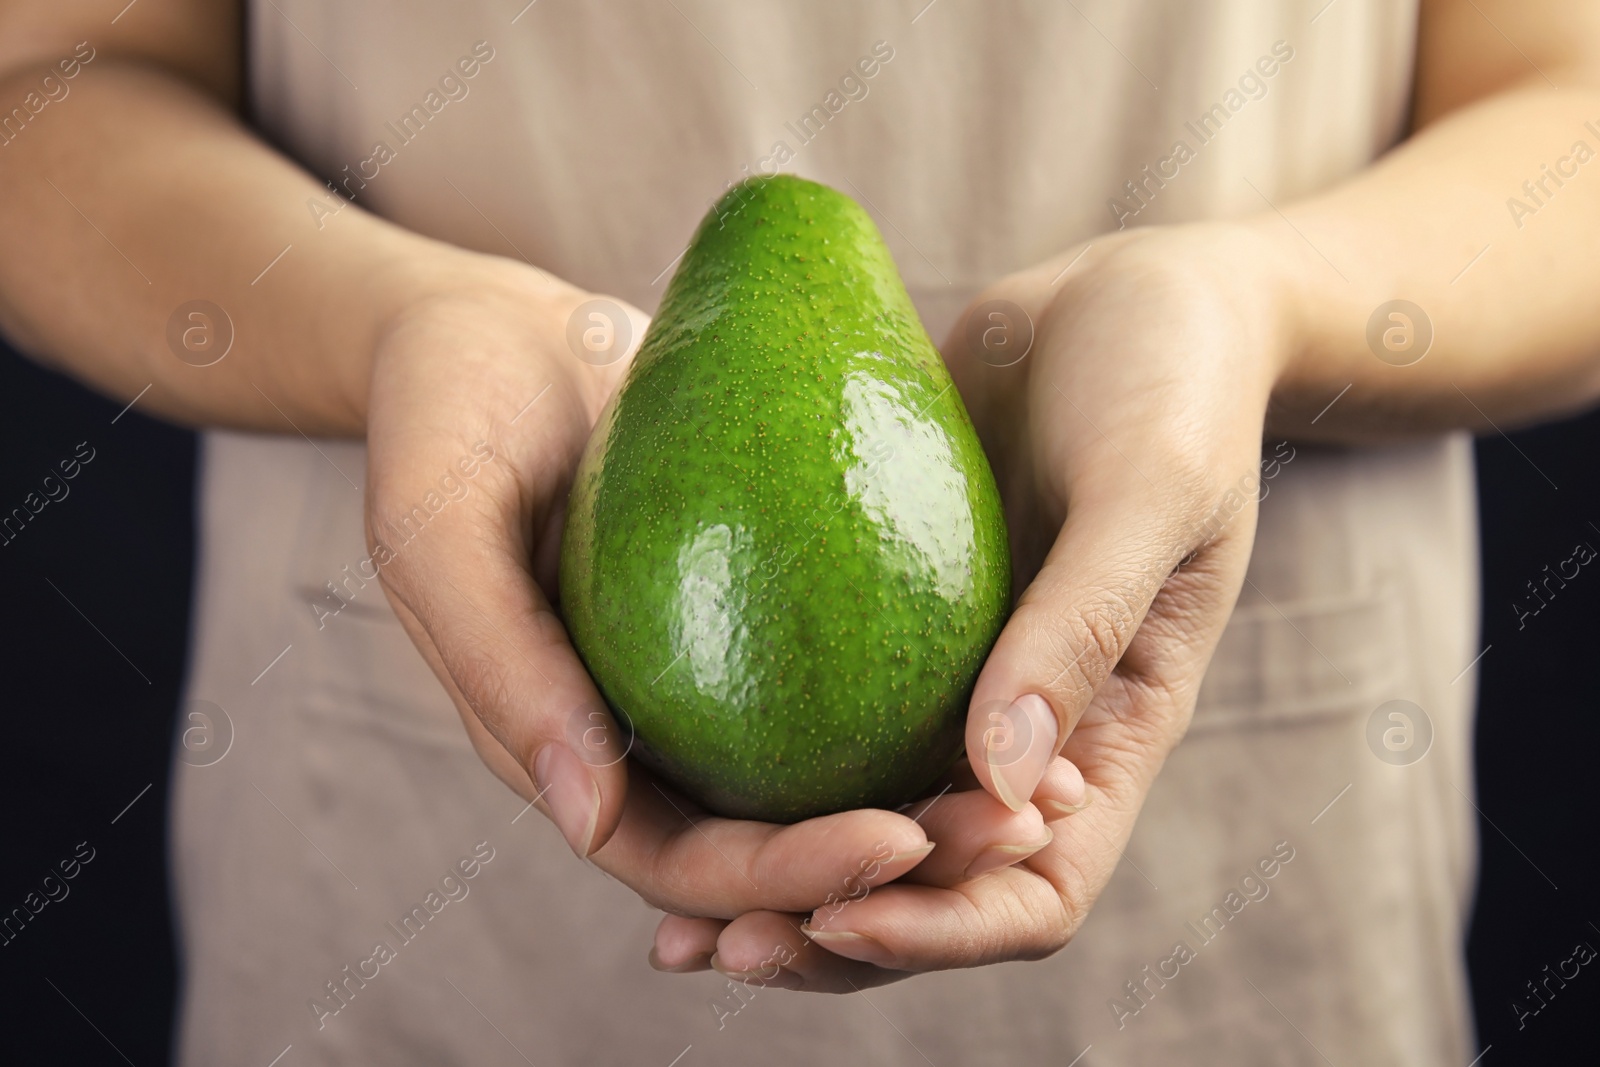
[(785, 557)]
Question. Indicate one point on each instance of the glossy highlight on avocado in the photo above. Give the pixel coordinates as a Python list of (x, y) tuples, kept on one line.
[(785, 558)]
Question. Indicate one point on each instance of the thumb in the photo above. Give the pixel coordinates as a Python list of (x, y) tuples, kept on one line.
[(485, 627), (1069, 630)]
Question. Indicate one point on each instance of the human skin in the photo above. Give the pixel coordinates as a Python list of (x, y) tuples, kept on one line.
[(1219, 331)]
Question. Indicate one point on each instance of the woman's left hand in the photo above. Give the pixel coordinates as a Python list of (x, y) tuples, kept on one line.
[(1126, 441)]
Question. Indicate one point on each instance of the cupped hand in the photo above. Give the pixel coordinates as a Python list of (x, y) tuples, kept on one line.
[(1126, 441), (482, 396)]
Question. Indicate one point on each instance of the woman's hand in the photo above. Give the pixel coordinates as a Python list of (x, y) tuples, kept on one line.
[(501, 361), (1126, 442)]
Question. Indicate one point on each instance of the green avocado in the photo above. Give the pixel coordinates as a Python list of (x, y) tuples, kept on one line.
[(785, 558)]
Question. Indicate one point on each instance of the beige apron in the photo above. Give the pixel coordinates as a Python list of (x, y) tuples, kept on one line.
[(1296, 889)]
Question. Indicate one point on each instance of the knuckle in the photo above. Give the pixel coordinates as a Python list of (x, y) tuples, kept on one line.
[(1052, 924), (1068, 917), (674, 878), (546, 630), (1036, 925), (661, 900), (488, 693), (1070, 902), (1104, 624), (1083, 643), (1053, 939), (1162, 710)]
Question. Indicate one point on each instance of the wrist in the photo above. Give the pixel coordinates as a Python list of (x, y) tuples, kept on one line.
[(1264, 277), (428, 278), (1239, 271)]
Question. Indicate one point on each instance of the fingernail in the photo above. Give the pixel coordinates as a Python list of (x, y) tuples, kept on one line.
[(1072, 793), (851, 945), (914, 855), (569, 793), (1055, 809), (1017, 774), (762, 976), (699, 962), (996, 856)]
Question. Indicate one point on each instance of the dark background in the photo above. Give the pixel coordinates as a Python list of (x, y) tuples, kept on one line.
[(91, 670)]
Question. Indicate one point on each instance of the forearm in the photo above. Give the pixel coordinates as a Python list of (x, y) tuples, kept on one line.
[(1509, 294), (138, 193)]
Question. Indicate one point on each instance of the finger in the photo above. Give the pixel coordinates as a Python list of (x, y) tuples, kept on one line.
[(683, 945), (1012, 914), (973, 833), (1031, 909), (683, 860), (961, 778), (459, 579), (766, 948), (1026, 910), (1020, 911), (448, 388), (492, 638), (1062, 792)]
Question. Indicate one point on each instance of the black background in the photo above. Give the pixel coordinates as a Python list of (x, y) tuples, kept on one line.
[(92, 667)]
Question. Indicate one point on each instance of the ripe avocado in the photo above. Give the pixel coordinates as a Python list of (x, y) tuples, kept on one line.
[(785, 558)]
